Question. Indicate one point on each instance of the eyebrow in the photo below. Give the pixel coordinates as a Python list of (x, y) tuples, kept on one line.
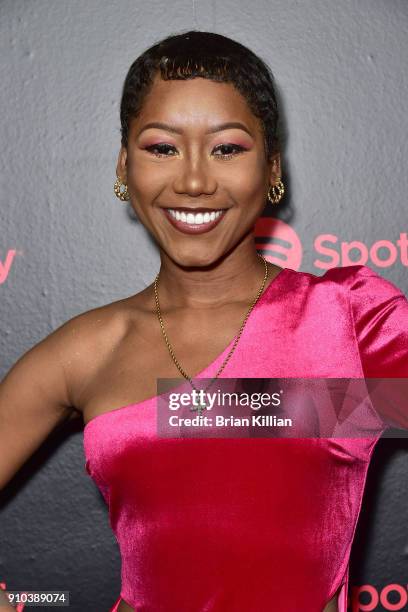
[(212, 130)]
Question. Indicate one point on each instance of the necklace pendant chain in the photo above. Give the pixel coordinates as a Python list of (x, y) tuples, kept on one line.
[(202, 406)]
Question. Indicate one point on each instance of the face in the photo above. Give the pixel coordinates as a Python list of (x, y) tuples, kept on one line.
[(197, 184)]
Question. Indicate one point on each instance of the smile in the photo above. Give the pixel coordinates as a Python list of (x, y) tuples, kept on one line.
[(194, 223)]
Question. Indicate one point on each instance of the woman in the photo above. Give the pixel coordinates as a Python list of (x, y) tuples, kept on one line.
[(211, 524)]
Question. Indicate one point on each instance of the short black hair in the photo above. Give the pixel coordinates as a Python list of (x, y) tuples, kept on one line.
[(208, 55)]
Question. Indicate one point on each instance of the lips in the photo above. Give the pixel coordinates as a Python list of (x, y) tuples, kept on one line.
[(187, 226)]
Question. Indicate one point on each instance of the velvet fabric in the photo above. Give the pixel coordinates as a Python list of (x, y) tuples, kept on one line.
[(254, 524)]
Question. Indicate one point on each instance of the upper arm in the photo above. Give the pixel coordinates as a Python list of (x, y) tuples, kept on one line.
[(34, 398), (47, 384), (380, 313)]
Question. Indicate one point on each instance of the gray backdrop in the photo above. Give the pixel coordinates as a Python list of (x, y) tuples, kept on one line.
[(68, 245)]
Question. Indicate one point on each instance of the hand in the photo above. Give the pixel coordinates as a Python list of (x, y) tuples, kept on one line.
[(5, 606)]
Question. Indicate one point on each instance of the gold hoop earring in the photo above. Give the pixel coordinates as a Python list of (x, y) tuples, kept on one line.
[(121, 190), (276, 197)]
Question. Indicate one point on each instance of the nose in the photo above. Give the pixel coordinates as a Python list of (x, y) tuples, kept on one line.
[(194, 177)]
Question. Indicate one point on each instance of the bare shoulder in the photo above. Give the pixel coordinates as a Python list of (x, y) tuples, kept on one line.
[(91, 338), (44, 387)]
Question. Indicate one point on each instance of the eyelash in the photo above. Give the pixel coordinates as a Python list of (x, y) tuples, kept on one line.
[(238, 149)]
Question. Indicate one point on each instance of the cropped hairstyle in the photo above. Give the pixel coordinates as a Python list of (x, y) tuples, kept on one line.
[(211, 56)]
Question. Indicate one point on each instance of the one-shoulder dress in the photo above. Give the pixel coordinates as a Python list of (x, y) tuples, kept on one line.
[(254, 524)]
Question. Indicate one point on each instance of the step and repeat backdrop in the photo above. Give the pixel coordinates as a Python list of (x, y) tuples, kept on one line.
[(68, 245)]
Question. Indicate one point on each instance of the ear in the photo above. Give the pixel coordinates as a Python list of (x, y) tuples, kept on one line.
[(274, 165), (121, 165)]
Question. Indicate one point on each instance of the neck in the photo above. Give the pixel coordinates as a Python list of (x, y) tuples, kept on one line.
[(235, 277)]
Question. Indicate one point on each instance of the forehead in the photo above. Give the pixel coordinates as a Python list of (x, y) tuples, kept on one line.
[(195, 102)]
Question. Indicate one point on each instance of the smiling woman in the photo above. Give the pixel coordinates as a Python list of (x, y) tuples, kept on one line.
[(196, 160), (223, 524)]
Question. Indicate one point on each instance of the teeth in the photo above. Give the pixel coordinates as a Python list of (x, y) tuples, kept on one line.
[(195, 218)]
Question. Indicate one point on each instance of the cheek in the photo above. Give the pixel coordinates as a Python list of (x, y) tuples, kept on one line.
[(146, 183), (145, 177), (245, 184)]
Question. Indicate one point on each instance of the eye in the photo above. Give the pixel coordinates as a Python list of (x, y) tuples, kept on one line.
[(238, 149), (162, 148)]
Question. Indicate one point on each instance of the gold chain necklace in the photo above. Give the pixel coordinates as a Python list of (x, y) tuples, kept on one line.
[(201, 406)]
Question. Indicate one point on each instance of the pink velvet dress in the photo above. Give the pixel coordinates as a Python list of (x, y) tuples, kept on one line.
[(254, 524)]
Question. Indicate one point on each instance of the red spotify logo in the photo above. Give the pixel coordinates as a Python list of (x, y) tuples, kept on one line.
[(6, 265), (382, 253), (281, 245), (390, 597), (279, 242)]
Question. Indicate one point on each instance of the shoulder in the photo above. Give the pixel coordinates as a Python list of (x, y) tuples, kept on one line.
[(105, 324), (378, 307), (358, 289), (360, 280), (88, 339)]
